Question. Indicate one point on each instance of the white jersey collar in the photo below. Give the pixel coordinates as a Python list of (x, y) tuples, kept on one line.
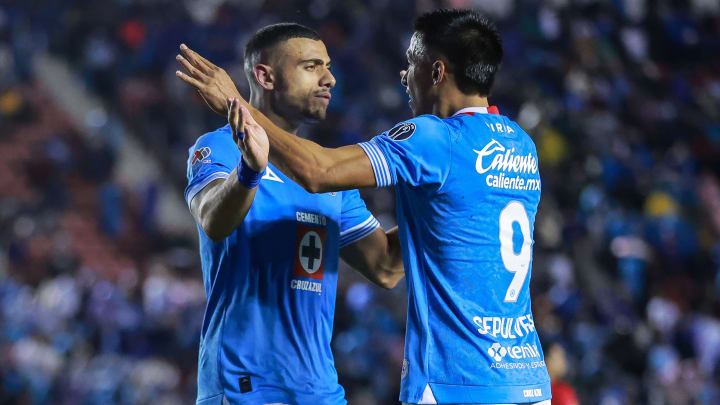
[(472, 110)]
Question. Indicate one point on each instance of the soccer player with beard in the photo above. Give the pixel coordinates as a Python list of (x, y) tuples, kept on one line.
[(269, 248), (467, 188)]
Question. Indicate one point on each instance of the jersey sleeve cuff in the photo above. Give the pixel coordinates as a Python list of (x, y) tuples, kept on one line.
[(358, 231), (383, 178), (196, 188)]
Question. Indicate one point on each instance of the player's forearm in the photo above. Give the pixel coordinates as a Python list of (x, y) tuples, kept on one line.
[(390, 269), (377, 257), (223, 207), (305, 162)]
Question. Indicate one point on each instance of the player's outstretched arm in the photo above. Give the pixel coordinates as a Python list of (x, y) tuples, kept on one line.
[(315, 168), (377, 257), (221, 206), (211, 81)]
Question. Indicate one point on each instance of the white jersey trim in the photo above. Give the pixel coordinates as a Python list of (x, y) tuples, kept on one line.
[(428, 397), (383, 178), (476, 110), (545, 402), (198, 187), (358, 231)]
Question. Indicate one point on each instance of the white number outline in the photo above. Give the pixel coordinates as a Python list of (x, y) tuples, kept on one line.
[(519, 264)]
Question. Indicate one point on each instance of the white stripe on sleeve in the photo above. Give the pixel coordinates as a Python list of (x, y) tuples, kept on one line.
[(358, 231), (383, 178), (198, 187)]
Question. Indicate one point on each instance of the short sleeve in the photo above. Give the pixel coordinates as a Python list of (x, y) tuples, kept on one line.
[(415, 152), (214, 156), (356, 222)]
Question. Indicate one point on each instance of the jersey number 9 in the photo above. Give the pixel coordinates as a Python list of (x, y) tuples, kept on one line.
[(519, 264)]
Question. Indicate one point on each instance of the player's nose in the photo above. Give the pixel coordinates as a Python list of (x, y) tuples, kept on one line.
[(403, 77), (328, 80)]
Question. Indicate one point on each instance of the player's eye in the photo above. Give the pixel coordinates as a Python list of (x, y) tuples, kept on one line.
[(311, 68)]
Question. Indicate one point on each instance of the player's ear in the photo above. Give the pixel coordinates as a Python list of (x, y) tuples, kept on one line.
[(264, 76), (438, 71)]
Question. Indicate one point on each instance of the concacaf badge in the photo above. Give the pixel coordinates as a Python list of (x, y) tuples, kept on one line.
[(402, 131)]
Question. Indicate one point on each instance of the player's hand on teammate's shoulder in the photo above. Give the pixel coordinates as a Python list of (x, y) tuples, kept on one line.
[(212, 82), (248, 135)]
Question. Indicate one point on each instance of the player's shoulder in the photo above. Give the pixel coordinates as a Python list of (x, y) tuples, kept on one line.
[(420, 125), (220, 136), (215, 147), (487, 124), (520, 134)]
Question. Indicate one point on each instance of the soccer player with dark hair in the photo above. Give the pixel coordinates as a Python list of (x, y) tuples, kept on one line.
[(467, 189), (269, 248)]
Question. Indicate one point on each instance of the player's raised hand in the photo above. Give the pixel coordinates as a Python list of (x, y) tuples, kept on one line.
[(212, 82), (249, 136)]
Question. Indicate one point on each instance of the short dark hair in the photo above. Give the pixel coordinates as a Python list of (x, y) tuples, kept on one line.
[(470, 42), (267, 37)]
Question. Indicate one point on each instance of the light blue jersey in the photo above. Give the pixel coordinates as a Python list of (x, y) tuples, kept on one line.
[(271, 286), (467, 190)]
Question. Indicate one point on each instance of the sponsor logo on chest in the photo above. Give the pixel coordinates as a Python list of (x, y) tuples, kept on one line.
[(495, 156), (507, 169)]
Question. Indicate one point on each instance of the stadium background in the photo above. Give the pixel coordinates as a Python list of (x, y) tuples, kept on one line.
[(100, 294)]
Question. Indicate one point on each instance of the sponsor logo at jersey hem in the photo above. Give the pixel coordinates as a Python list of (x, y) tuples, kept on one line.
[(306, 285), (537, 392), (404, 371), (498, 352), (519, 365), (503, 356), (508, 328)]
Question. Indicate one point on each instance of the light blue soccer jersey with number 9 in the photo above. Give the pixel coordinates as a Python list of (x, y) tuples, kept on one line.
[(467, 190)]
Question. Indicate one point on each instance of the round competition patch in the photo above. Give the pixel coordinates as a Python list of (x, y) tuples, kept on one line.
[(402, 131)]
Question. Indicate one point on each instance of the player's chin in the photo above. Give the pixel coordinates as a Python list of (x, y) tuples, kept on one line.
[(315, 114)]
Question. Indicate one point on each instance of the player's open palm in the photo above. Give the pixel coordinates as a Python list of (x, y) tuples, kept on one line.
[(249, 136), (212, 82)]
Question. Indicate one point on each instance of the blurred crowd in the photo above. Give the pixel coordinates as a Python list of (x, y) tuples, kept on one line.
[(622, 97)]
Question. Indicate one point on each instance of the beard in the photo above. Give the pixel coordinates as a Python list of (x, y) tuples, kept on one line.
[(314, 110), (300, 108)]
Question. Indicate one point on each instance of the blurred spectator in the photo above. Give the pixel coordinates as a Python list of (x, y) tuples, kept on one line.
[(562, 392)]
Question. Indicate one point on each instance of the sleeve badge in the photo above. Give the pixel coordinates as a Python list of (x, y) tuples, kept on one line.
[(401, 132)]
